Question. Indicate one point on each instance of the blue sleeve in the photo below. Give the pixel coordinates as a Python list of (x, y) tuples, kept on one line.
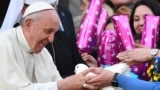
[(128, 83)]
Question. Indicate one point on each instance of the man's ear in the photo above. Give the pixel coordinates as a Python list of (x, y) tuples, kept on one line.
[(28, 23)]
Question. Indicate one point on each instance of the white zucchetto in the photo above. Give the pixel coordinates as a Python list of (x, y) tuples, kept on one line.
[(33, 1), (37, 6)]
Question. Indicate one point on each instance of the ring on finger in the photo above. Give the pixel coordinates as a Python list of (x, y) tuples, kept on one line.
[(84, 85)]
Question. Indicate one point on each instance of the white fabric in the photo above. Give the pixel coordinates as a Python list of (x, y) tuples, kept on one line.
[(35, 7), (33, 1), (48, 1), (61, 26), (22, 70), (12, 14), (57, 1)]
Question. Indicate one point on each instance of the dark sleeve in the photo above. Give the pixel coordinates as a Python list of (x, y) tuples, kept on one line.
[(76, 55), (3, 9), (128, 83), (67, 22)]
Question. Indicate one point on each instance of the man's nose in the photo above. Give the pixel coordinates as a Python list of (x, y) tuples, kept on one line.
[(51, 38)]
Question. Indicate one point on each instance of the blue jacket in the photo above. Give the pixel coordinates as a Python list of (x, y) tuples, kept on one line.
[(128, 83)]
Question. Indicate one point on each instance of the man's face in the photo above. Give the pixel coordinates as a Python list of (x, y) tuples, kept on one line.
[(42, 31)]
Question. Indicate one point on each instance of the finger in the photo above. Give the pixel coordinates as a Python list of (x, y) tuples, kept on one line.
[(122, 54), (139, 46), (123, 58), (129, 61), (85, 72), (87, 56), (91, 87), (83, 54), (94, 81), (97, 70)]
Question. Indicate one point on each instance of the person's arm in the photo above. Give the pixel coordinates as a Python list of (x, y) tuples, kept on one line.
[(89, 59), (105, 78), (128, 83), (138, 55)]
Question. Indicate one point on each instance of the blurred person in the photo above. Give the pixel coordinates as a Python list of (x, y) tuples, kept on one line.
[(117, 3), (66, 18), (109, 24), (120, 2), (119, 11), (84, 6), (109, 8), (12, 15), (26, 64), (123, 10), (85, 3), (137, 17), (77, 19)]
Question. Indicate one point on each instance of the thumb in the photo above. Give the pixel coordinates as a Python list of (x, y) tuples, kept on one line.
[(83, 54), (85, 72)]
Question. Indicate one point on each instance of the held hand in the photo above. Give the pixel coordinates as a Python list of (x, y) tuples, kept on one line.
[(76, 82), (101, 79), (89, 59), (135, 56)]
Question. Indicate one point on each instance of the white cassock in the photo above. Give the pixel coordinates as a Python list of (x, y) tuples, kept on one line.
[(22, 70)]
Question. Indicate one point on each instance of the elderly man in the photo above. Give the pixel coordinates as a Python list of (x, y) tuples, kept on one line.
[(63, 50), (25, 63)]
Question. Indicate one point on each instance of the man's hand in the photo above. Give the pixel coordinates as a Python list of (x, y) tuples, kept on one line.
[(76, 82)]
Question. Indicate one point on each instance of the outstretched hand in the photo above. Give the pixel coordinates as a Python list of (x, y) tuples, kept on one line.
[(102, 78), (138, 55)]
